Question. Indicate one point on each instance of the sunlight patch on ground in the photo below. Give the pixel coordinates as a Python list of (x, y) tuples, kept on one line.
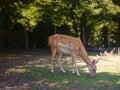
[(65, 81), (118, 82), (106, 64), (17, 70)]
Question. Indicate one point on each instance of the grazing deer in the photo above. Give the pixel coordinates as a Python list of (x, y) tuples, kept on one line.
[(64, 44)]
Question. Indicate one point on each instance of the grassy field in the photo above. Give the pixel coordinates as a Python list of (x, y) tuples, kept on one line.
[(30, 70)]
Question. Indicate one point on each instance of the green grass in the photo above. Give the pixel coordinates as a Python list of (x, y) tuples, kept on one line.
[(31, 71)]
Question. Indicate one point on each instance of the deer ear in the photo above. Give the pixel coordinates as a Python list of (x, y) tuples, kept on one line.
[(95, 61)]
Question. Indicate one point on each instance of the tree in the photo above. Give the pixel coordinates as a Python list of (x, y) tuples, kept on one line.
[(32, 21)]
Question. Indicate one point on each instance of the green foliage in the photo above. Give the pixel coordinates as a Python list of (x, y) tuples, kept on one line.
[(80, 18), (29, 16)]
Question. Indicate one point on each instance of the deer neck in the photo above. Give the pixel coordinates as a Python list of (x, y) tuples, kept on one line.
[(86, 59)]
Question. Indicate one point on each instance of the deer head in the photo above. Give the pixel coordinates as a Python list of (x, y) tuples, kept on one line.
[(92, 68)]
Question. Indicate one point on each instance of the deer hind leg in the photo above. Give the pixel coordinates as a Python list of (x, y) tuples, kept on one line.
[(59, 62), (75, 66), (53, 50)]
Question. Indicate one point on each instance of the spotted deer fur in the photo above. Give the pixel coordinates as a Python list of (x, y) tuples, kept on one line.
[(68, 45)]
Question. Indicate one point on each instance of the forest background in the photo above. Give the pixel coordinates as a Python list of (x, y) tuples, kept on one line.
[(27, 24)]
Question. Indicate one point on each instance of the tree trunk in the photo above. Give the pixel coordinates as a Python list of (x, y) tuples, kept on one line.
[(105, 37), (83, 28), (118, 35), (83, 36), (26, 40)]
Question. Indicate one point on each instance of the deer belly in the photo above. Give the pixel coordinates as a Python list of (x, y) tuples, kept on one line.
[(64, 50)]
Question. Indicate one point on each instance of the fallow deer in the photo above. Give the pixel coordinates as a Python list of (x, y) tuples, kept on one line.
[(68, 45)]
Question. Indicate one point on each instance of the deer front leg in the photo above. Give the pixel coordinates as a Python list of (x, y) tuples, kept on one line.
[(59, 58), (77, 71), (73, 69), (75, 65)]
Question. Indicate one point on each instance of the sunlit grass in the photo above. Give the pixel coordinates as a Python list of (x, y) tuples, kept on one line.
[(33, 73), (17, 70)]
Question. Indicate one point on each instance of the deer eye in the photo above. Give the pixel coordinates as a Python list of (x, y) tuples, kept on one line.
[(94, 70)]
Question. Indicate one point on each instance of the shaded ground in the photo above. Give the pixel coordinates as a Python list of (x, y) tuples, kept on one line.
[(12, 66), (30, 70)]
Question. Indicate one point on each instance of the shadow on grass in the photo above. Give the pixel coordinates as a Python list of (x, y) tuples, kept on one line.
[(31, 71), (40, 78)]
